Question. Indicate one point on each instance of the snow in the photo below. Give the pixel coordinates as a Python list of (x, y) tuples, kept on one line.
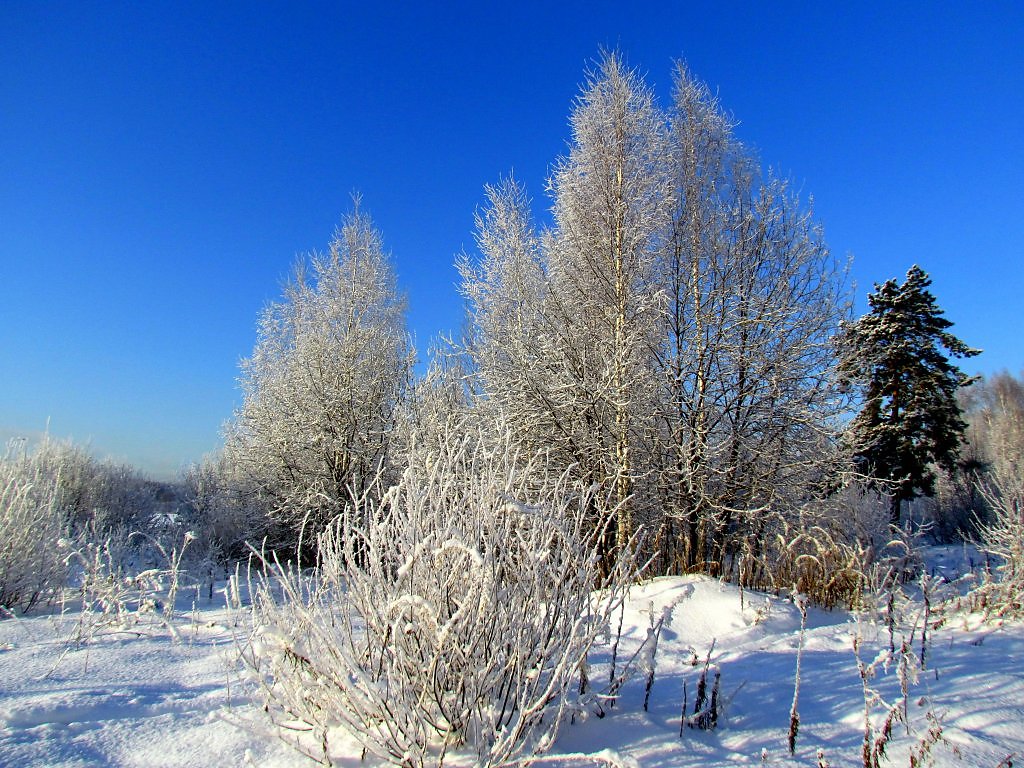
[(140, 698), (122, 700)]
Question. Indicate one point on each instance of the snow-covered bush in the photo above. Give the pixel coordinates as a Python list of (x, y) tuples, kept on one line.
[(454, 615), (31, 525), (92, 492), (222, 509), (1003, 536)]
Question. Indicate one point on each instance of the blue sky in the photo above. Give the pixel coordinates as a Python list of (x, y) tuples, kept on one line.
[(162, 165)]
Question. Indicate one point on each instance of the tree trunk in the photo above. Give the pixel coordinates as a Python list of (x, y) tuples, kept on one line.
[(895, 502)]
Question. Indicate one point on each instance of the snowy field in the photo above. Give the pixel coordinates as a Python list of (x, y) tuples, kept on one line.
[(146, 698)]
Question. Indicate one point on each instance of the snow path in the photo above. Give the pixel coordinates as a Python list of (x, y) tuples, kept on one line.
[(146, 701)]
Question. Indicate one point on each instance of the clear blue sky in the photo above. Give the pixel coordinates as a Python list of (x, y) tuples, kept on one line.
[(162, 164)]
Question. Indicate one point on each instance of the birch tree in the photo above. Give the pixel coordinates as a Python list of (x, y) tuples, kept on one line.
[(693, 271), (670, 336), (330, 366), (505, 291), (781, 401), (747, 403), (612, 198), (750, 405)]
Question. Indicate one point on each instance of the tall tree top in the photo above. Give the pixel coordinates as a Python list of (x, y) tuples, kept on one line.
[(906, 317)]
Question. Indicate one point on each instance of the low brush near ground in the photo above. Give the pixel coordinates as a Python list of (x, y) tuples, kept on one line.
[(152, 700)]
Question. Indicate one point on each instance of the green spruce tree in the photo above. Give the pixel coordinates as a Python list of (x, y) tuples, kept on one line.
[(910, 422)]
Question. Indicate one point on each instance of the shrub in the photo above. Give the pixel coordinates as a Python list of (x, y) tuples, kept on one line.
[(1003, 536), (222, 509), (32, 564), (454, 615), (90, 492)]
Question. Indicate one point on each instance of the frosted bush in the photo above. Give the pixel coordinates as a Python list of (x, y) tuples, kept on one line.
[(31, 524), (90, 491), (1003, 536), (454, 616), (220, 507)]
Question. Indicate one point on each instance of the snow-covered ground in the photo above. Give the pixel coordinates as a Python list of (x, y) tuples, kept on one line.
[(146, 699)]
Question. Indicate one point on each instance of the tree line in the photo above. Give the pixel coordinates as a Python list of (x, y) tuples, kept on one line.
[(677, 344), (679, 340)]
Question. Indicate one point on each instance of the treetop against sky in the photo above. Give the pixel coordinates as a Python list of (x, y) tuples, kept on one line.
[(164, 164)]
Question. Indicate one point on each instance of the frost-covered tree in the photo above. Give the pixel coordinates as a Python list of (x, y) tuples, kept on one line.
[(506, 331), (747, 405), (330, 366), (996, 417), (911, 420), (995, 414), (560, 323), (437, 404), (993, 408), (692, 275), (777, 402), (670, 336), (612, 200), (221, 507)]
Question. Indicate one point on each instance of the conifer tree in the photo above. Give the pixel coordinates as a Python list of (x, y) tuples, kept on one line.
[(910, 421)]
